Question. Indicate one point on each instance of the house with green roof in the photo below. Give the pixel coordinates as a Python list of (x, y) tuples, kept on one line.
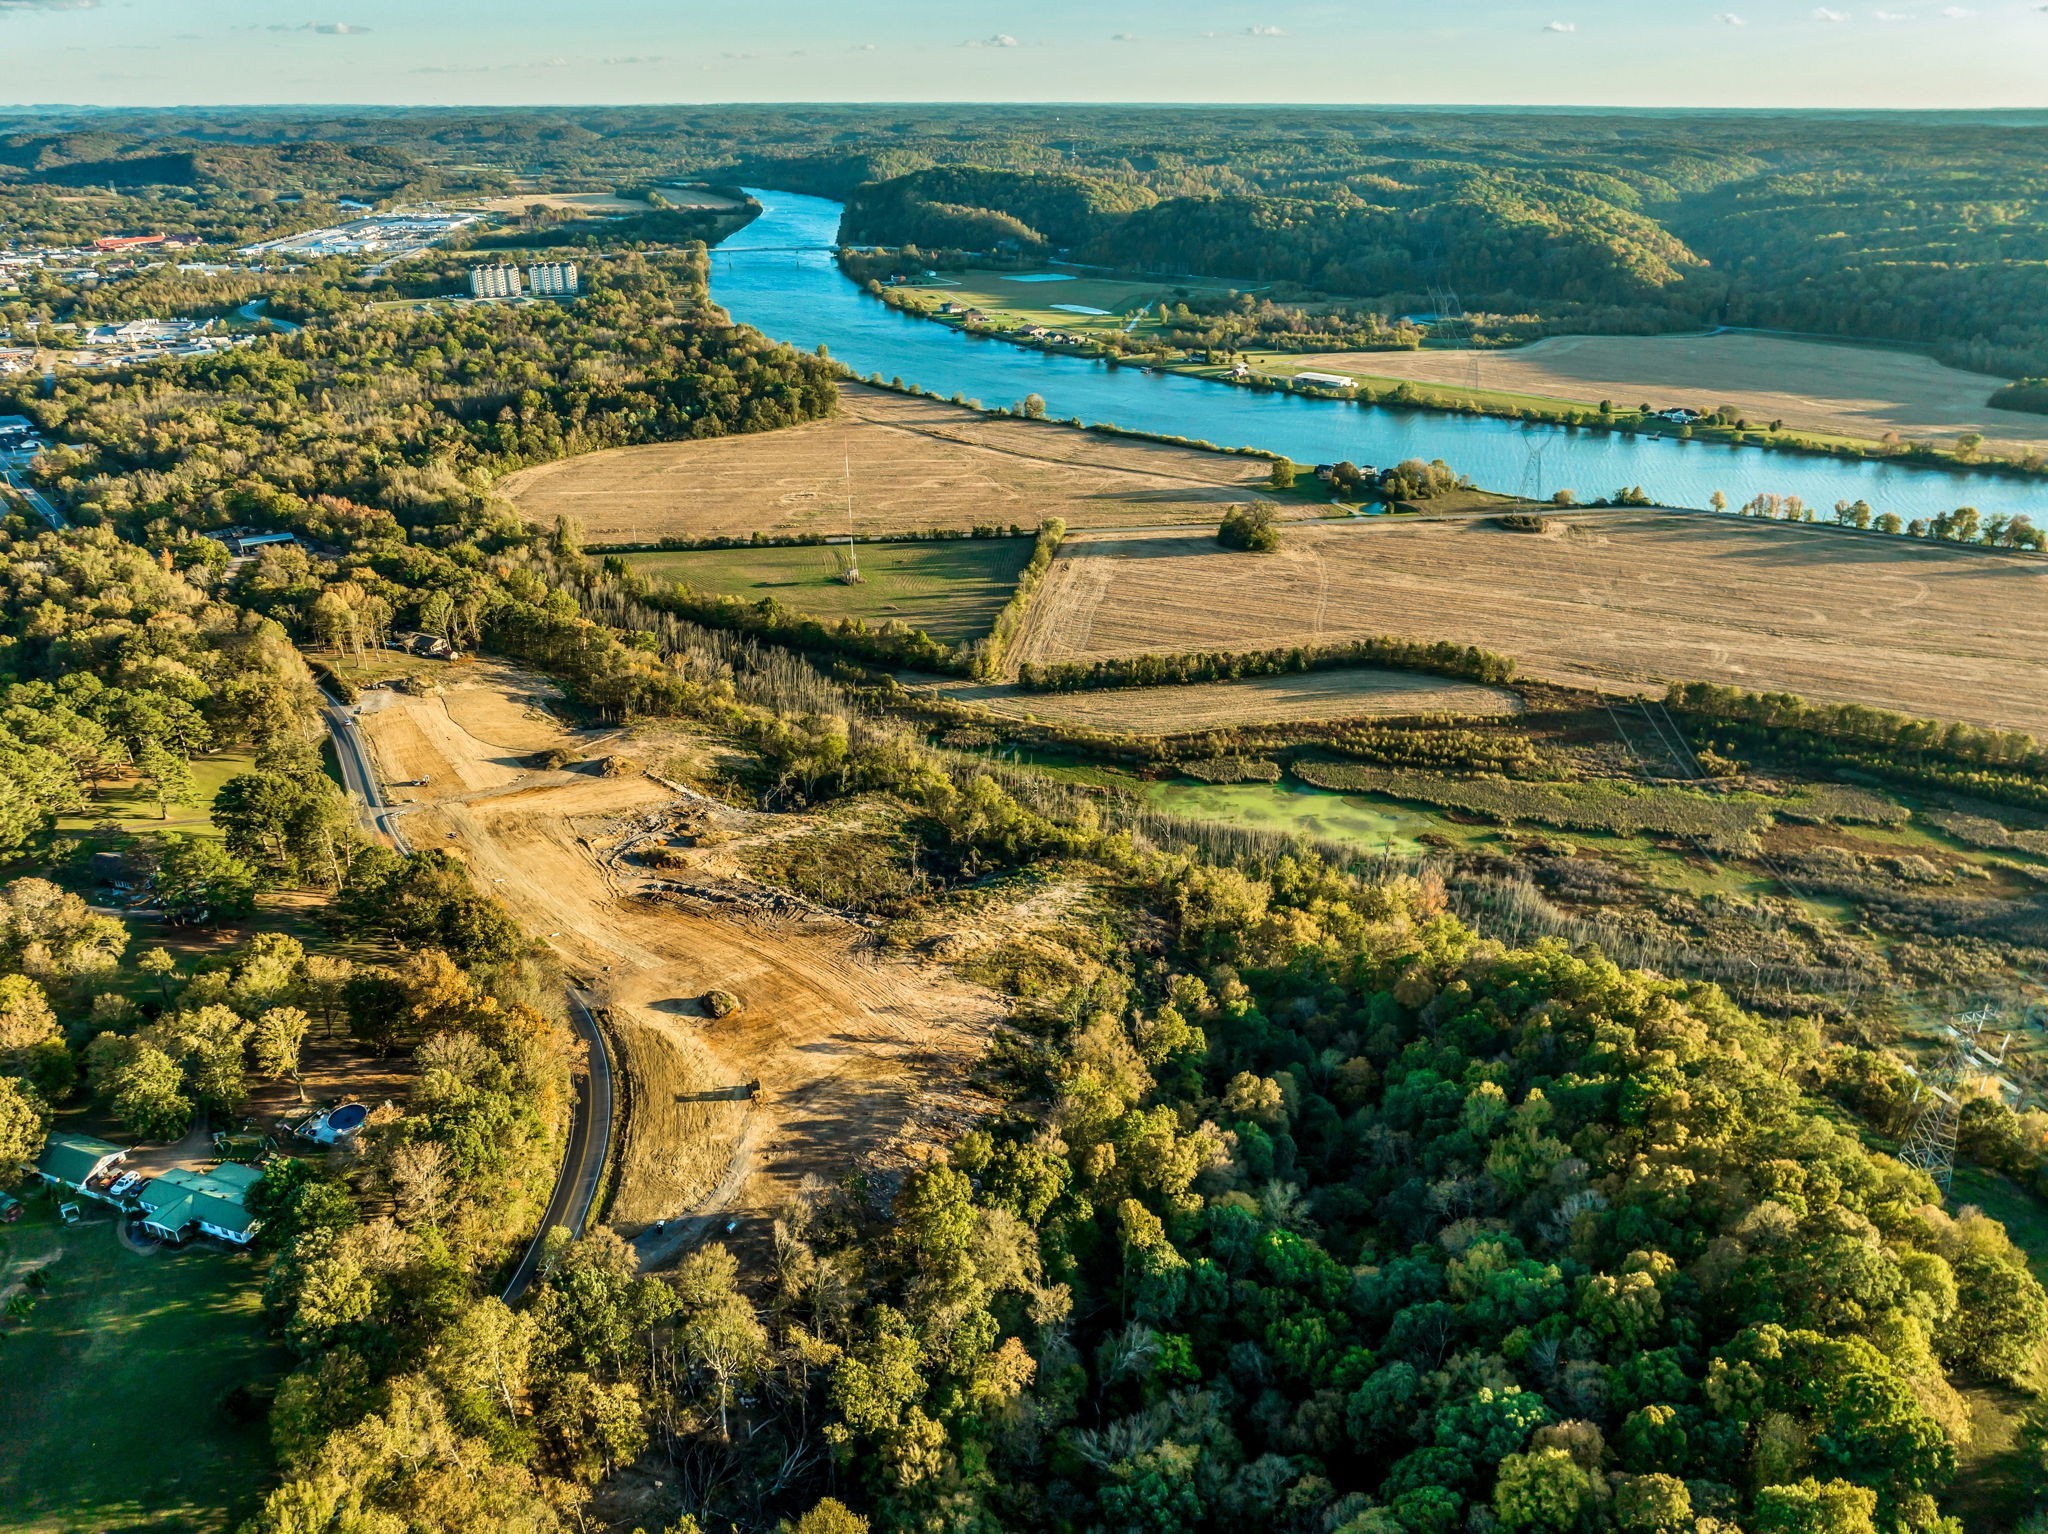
[(79, 1162), (178, 1204)]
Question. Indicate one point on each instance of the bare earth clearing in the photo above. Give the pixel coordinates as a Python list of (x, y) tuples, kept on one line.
[(1349, 694), (1605, 600), (916, 463), (605, 202), (1848, 391), (861, 1059)]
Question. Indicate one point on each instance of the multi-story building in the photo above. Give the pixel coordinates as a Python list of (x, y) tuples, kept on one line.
[(494, 281), (552, 279)]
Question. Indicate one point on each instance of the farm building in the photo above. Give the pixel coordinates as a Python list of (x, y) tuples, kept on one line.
[(179, 1204), (80, 1163), (1326, 380)]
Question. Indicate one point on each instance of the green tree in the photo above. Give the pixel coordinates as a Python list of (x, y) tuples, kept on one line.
[(142, 1086), (169, 774), (199, 880), (1253, 529), (280, 1034), (1816, 1507), (24, 1121)]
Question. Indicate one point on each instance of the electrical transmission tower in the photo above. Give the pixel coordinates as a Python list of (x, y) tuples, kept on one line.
[(1930, 1142), (1532, 471)]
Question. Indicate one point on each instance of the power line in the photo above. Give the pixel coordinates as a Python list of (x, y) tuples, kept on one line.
[(1929, 1143)]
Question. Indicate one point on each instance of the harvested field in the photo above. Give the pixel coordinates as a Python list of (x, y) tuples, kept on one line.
[(1350, 694), (860, 1059), (1819, 386), (916, 463), (1614, 600)]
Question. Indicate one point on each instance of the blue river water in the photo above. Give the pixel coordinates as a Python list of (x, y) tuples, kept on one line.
[(778, 275)]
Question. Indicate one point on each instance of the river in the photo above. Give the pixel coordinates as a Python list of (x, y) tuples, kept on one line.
[(779, 275)]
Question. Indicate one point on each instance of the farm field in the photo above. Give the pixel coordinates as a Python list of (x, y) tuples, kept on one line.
[(111, 1386), (1613, 601), (1034, 298), (857, 1056), (1342, 694), (1816, 386), (914, 464), (952, 590)]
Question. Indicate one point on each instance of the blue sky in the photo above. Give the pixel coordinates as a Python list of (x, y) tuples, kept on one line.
[(1748, 53)]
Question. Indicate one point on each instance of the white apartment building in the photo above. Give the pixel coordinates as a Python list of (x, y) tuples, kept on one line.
[(494, 281), (552, 279)]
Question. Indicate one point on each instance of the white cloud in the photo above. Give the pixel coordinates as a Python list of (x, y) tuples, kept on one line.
[(1000, 40), (324, 28), (1562, 26), (1123, 37), (1958, 12), (15, 7), (1730, 19), (1893, 15), (1824, 14), (864, 48), (1265, 31)]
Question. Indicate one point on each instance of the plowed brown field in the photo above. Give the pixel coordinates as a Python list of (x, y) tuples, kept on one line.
[(1604, 600), (857, 1056), (914, 463)]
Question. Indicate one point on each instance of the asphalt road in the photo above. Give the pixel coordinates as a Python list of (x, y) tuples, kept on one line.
[(38, 500), (590, 1124), (590, 1134), (359, 777)]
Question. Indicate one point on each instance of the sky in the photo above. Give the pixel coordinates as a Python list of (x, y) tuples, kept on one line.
[(1669, 53)]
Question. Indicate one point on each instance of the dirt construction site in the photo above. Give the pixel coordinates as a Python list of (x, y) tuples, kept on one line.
[(917, 463), (1604, 600), (839, 1057)]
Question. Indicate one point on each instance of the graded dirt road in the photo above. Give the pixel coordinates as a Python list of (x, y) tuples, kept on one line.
[(1849, 391), (913, 464), (861, 1059), (1603, 599)]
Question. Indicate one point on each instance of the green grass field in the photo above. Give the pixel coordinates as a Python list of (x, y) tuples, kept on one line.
[(111, 1386), (130, 809), (1004, 299), (951, 589)]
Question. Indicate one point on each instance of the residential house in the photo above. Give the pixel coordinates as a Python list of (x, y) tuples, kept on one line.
[(81, 1163), (179, 1204)]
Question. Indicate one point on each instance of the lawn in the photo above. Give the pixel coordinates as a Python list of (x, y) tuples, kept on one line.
[(111, 1386), (130, 809), (1004, 297), (951, 589)]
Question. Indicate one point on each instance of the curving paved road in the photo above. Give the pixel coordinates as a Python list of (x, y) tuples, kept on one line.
[(590, 1124), (590, 1134), (359, 776)]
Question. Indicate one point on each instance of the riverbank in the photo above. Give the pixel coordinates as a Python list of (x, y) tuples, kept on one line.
[(1409, 385), (781, 275)]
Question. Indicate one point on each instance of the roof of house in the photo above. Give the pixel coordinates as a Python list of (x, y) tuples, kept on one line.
[(71, 1157), (177, 1198)]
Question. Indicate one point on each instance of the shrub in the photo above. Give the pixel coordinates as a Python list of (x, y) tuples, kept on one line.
[(1253, 529), (719, 1003), (1231, 769)]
